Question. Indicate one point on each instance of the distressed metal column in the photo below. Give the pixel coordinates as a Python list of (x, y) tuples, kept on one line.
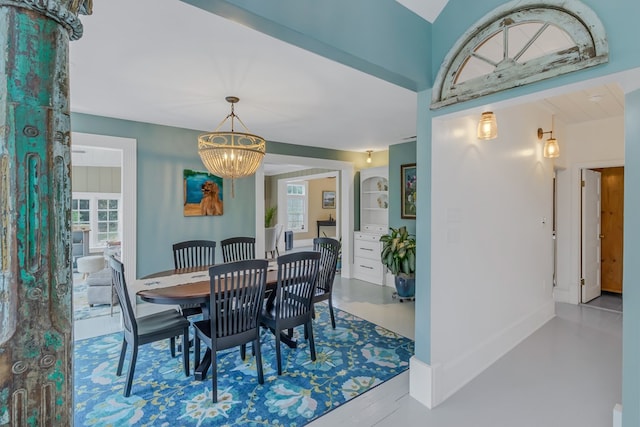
[(36, 381)]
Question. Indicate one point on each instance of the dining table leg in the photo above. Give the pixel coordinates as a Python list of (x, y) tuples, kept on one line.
[(200, 373)]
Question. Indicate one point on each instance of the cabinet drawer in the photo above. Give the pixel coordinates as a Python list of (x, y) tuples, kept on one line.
[(366, 236), (368, 269), (367, 249), (373, 228)]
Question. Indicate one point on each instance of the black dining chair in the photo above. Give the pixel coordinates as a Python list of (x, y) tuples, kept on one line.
[(329, 251), (143, 330), (290, 305), (237, 293), (193, 253), (238, 249)]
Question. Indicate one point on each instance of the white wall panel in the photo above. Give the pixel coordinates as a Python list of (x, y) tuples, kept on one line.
[(492, 261)]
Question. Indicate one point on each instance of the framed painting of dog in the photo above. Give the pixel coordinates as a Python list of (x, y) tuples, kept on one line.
[(202, 193)]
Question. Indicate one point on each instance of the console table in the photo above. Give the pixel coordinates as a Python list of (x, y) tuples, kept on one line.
[(325, 223)]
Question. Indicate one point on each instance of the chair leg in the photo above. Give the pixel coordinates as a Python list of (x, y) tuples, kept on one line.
[(243, 351), (258, 353), (278, 355), (132, 368), (214, 376), (172, 344), (123, 352), (312, 345), (185, 351), (333, 317), (196, 351)]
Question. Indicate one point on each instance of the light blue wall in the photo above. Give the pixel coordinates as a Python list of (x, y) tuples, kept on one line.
[(618, 18), (399, 154), (423, 231), (378, 37), (631, 273), (163, 153)]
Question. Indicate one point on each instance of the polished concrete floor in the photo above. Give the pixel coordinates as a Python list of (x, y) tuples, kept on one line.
[(607, 301), (568, 373)]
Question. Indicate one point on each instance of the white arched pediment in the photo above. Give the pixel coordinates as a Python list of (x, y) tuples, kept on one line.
[(519, 43)]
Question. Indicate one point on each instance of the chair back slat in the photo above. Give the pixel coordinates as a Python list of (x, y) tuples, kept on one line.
[(194, 253), (120, 285), (329, 251), (238, 249), (297, 276), (237, 292)]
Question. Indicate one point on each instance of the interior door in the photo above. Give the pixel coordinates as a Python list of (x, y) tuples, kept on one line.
[(612, 202), (590, 235)]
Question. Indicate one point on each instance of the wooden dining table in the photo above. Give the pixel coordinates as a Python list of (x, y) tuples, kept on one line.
[(196, 292)]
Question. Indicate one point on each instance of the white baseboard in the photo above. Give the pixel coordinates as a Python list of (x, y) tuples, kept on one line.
[(454, 374), (617, 415), (561, 295), (420, 382)]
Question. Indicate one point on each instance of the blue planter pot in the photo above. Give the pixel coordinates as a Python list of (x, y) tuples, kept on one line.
[(406, 287)]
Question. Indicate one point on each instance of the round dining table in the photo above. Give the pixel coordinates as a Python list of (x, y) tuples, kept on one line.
[(195, 292)]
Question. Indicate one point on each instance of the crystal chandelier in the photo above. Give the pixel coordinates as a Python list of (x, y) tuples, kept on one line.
[(230, 154)]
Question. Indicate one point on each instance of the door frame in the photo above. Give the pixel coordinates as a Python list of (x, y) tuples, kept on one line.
[(576, 223), (129, 176), (345, 190)]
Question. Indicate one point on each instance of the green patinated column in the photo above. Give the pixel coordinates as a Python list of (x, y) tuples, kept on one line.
[(36, 381)]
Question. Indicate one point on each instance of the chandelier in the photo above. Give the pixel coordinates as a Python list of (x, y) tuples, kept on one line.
[(230, 154)]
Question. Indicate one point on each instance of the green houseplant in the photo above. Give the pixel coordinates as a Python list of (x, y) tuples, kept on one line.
[(269, 214), (399, 256)]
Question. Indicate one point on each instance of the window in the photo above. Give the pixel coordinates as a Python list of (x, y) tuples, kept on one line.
[(108, 223), (80, 213), (519, 43), (297, 203), (100, 212)]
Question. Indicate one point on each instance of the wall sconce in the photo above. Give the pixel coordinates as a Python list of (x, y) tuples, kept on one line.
[(487, 126), (369, 155), (551, 148)]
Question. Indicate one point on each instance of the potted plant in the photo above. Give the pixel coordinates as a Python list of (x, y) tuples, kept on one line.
[(269, 214), (399, 256)]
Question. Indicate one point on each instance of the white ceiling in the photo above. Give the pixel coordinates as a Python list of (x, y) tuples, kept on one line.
[(166, 62), (169, 63)]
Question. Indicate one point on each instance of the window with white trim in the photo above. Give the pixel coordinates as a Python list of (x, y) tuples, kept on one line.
[(297, 206), (518, 43), (101, 213)]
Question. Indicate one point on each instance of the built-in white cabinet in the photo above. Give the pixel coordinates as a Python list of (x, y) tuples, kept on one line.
[(374, 220)]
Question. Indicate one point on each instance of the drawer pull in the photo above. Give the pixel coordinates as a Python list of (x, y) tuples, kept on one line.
[(367, 249), (366, 266)]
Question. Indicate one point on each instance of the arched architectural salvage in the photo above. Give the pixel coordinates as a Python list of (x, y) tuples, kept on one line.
[(519, 43)]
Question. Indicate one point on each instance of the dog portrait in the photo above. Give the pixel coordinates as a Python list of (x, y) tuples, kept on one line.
[(210, 203), (202, 194)]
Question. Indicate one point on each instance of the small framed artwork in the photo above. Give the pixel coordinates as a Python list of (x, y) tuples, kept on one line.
[(328, 200), (202, 193), (408, 191)]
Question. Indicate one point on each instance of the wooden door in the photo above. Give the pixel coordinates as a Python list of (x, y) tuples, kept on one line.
[(612, 228)]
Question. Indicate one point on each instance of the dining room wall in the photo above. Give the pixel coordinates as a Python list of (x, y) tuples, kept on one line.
[(399, 154), (163, 152)]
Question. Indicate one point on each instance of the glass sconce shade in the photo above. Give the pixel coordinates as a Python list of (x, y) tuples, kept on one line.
[(551, 148), (487, 126)]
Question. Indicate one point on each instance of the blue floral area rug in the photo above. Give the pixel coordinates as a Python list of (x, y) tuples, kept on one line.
[(352, 359)]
